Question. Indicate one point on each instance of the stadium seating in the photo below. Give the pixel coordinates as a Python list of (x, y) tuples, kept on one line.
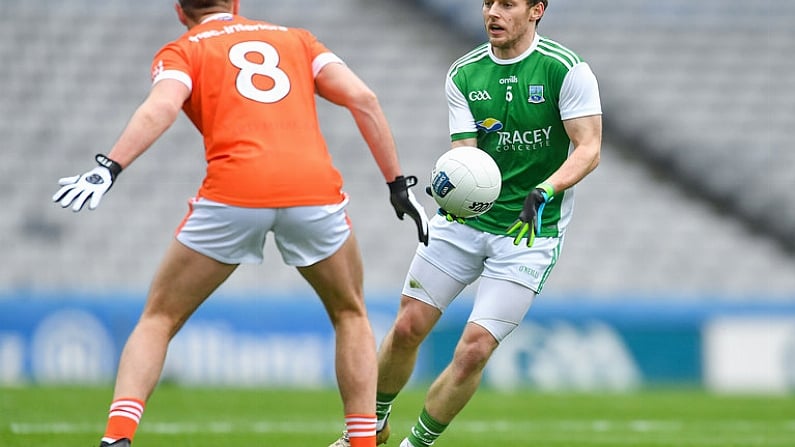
[(694, 194)]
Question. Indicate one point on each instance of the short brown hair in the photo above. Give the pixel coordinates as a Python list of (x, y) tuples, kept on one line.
[(203, 4), (196, 8)]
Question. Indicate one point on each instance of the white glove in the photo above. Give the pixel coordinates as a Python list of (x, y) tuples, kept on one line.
[(89, 187)]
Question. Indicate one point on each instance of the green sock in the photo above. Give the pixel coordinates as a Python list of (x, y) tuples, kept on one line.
[(383, 405), (426, 430)]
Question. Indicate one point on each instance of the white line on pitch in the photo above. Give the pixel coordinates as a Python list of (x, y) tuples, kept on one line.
[(570, 426)]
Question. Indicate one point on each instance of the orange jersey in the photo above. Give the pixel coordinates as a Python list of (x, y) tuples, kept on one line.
[(253, 100)]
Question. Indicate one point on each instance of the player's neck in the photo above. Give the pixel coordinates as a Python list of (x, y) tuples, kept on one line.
[(516, 48), (209, 17)]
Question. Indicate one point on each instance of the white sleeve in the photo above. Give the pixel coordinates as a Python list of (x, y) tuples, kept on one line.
[(579, 95), (177, 75), (460, 118), (324, 59)]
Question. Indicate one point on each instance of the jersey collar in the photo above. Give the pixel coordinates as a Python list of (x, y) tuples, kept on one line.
[(513, 60), (219, 16)]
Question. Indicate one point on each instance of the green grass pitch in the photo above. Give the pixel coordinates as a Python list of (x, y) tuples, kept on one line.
[(204, 417)]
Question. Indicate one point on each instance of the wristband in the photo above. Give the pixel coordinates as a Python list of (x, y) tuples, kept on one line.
[(548, 189), (114, 168), (401, 183)]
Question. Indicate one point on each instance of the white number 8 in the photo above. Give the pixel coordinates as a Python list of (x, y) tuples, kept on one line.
[(268, 67)]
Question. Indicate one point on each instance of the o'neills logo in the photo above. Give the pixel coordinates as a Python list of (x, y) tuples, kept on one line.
[(441, 184), (510, 80)]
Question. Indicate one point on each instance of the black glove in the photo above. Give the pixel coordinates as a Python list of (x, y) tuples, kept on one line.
[(404, 202), (531, 215), (89, 187)]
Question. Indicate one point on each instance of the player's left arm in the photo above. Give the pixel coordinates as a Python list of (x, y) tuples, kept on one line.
[(581, 113), (586, 138), (340, 85)]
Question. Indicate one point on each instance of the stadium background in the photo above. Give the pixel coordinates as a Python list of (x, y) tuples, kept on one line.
[(679, 265)]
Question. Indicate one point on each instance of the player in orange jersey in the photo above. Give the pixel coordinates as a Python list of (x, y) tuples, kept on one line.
[(249, 88)]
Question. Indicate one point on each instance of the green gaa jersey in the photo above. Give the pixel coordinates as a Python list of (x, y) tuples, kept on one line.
[(516, 108)]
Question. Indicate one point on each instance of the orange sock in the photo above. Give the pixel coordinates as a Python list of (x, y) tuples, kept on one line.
[(123, 418), (361, 429)]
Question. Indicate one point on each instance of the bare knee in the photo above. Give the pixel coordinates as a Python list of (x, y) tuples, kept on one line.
[(159, 317), (160, 323), (413, 323), (349, 309), (472, 354), (407, 333)]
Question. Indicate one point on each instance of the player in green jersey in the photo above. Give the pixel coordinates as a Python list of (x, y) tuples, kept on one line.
[(534, 106)]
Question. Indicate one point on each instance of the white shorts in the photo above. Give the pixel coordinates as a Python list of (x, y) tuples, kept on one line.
[(457, 255), (466, 254), (304, 235)]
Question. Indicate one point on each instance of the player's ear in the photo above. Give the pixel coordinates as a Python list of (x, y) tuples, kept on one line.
[(537, 11), (235, 7), (183, 19)]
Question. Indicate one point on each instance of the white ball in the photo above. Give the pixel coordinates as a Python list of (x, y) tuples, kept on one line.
[(465, 181)]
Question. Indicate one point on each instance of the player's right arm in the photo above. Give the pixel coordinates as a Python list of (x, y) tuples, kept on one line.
[(471, 142), (153, 117), (461, 121), (156, 114)]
